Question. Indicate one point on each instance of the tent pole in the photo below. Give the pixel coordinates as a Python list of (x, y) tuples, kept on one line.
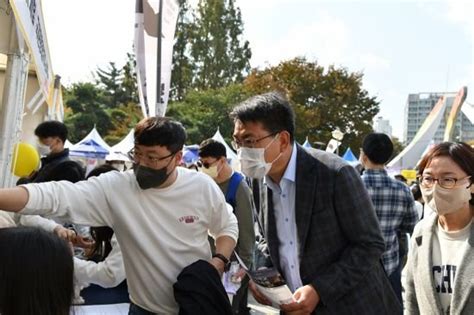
[(14, 92)]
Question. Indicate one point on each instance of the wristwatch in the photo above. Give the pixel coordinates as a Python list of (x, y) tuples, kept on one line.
[(224, 260)]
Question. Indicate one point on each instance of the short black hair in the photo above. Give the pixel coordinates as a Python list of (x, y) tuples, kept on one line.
[(36, 272), (160, 131), (401, 178), (271, 109), (377, 147), (416, 191), (52, 128), (101, 169), (212, 148)]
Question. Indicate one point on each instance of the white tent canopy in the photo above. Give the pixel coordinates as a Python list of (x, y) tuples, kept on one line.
[(119, 151), (68, 144), (230, 153), (412, 153)]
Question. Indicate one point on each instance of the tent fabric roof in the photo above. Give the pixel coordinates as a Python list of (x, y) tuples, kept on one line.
[(306, 144), (231, 155), (92, 146), (119, 151), (350, 157), (191, 153), (68, 144)]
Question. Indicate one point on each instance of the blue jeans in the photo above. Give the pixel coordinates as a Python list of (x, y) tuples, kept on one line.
[(137, 310)]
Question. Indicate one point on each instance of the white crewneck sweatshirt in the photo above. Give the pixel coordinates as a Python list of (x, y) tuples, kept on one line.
[(160, 231)]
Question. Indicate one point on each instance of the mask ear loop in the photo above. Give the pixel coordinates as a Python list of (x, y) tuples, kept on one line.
[(219, 169), (279, 155)]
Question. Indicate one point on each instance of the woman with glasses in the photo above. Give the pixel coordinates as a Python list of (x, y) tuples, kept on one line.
[(440, 267)]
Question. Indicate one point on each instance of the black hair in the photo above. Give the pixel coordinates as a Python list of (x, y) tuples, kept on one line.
[(51, 128), (377, 147), (416, 191), (212, 148), (401, 178), (101, 169), (272, 110), (160, 131), (461, 153), (102, 234), (36, 272)]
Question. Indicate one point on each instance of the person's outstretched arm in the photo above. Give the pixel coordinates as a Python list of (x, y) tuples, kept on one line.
[(13, 199)]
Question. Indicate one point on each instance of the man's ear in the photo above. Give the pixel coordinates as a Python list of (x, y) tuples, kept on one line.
[(178, 157), (285, 140)]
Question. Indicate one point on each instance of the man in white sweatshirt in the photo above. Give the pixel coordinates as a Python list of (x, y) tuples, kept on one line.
[(161, 214)]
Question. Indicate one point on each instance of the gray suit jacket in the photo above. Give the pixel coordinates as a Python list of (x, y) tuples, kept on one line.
[(420, 297), (339, 238)]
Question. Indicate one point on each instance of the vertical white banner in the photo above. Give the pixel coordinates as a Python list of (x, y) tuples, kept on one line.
[(29, 18), (146, 48), (332, 146)]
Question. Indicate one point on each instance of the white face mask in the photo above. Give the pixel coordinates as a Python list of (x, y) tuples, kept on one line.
[(43, 149), (444, 201), (252, 161)]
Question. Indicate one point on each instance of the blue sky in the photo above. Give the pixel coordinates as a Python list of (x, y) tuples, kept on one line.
[(401, 47)]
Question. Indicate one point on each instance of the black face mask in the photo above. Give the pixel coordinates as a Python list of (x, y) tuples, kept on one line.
[(149, 177)]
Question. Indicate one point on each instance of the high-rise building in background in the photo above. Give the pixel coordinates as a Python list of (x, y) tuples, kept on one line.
[(383, 126), (419, 106)]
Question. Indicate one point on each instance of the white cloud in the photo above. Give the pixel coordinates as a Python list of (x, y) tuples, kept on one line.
[(374, 62), (82, 35), (460, 12), (325, 40)]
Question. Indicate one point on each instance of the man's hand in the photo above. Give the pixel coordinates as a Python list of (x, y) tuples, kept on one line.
[(218, 264), (83, 242), (258, 295), (306, 299), (64, 233)]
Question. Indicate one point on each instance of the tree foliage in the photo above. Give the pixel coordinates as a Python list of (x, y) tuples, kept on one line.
[(182, 72), (203, 112), (86, 104), (323, 99), (109, 104), (209, 50)]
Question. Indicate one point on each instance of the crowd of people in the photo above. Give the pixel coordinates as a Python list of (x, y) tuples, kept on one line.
[(167, 239)]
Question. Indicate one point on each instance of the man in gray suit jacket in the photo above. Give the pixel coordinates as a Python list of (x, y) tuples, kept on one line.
[(320, 225)]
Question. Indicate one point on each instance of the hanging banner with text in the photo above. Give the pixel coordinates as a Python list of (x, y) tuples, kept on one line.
[(146, 50), (29, 18)]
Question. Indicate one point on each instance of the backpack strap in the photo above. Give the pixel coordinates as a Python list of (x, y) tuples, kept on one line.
[(234, 182)]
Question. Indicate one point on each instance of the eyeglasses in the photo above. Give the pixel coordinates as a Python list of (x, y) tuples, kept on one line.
[(445, 182), (249, 143), (153, 161), (200, 163)]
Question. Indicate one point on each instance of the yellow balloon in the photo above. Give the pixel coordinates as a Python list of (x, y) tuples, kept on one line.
[(25, 159)]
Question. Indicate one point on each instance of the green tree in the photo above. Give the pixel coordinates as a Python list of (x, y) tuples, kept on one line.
[(219, 54), (397, 147), (203, 112), (182, 72), (122, 119), (110, 80), (85, 109), (128, 84), (323, 99)]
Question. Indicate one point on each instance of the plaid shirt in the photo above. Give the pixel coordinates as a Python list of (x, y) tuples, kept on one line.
[(395, 208)]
